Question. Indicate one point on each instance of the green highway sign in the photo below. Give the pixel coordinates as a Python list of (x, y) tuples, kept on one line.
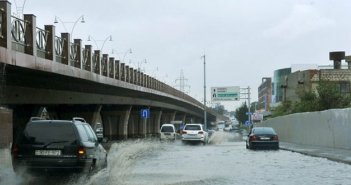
[(225, 93)]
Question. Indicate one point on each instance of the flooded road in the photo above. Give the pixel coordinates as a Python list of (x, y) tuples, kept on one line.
[(224, 161)]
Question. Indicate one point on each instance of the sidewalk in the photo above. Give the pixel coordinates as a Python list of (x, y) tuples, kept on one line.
[(339, 155)]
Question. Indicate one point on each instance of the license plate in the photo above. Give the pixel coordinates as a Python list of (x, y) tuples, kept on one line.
[(48, 152), (168, 134), (265, 138)]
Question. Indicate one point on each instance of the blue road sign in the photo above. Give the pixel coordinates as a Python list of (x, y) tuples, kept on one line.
[(248, 113), (145, 113), (248, 123)]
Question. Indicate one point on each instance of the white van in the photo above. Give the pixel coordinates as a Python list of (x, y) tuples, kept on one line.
[(168, 132)]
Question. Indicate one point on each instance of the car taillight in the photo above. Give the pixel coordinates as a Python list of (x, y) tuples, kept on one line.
[(275, 138), (81, 151), (253, 138), (200, 132)]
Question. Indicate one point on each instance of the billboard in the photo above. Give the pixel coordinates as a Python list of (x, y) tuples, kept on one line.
[(225, 93)]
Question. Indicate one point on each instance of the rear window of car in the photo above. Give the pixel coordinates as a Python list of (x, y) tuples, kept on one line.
[(192, 127), (264, 131), (47, 132), (167, 129)]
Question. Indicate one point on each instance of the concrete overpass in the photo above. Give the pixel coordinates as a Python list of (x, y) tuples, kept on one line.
[(42, 74)]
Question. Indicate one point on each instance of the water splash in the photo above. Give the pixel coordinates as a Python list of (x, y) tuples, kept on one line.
[(7, 175), (122, 157), (220, 137)]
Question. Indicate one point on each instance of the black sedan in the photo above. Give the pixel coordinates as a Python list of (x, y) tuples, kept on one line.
[(262, 137)]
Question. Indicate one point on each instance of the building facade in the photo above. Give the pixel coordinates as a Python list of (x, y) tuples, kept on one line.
[(278, 85), (265, 94)]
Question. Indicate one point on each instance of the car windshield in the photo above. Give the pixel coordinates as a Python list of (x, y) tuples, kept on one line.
[(46, 133), (167, 129), (192, 127)]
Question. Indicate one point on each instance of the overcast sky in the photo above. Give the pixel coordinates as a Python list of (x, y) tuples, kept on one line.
[(243, 40)]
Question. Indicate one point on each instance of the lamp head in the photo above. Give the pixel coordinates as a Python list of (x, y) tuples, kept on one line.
[(55, 21), (82, 20)]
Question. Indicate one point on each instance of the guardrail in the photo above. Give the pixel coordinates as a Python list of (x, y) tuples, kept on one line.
[(22, 35)]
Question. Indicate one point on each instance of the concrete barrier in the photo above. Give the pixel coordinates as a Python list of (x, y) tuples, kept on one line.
[(330, 128)]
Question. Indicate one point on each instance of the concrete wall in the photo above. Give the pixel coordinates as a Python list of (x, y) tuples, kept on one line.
[(330, 128)]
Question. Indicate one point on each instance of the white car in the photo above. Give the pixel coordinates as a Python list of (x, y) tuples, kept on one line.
[(194, 132), (167, 132)]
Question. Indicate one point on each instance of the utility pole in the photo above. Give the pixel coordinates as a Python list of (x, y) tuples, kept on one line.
[(248, 93), (205, 113)]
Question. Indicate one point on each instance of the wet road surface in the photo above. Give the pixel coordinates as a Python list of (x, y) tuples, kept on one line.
[(225, 161)]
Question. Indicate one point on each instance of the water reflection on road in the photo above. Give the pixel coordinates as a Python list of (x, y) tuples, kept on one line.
[(224, 161)]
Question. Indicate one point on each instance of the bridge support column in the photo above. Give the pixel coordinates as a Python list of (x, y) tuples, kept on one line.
[(167, 117), (123, 126), (142, 127), (116, 122), (96, 116), (137, 124), (156, 122), (6, 127), (189, 119), (180, 117)]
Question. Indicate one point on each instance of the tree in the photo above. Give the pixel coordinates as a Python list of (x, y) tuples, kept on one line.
[(219, 109), (329, 97), (283, 109), (240, 113), (308, 102)]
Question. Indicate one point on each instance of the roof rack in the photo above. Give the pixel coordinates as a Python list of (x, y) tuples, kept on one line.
[(36, 118), (79, 119)]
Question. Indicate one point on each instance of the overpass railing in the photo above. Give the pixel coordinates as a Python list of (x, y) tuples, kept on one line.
[(22, 35)]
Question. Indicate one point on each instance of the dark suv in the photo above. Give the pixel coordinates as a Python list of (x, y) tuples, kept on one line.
[(58, 145)]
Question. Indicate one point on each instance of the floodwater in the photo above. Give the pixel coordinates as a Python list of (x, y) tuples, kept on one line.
[(225, 161)]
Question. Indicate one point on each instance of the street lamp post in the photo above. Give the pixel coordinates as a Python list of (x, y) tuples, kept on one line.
[(80, 19), (109, 38), (140, 62), (124, 53)]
